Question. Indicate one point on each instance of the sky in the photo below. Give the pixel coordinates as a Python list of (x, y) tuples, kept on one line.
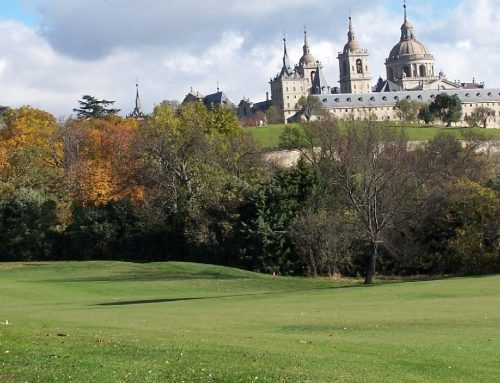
[(52, 52)]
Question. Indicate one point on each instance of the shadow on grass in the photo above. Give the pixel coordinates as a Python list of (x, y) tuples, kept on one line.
[(172, 300), (153, 277)]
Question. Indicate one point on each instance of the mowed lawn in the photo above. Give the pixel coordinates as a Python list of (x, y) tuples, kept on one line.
[(269, 136), (178, 322)]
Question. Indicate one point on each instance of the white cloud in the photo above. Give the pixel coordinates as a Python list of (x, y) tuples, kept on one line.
[(99, 47)]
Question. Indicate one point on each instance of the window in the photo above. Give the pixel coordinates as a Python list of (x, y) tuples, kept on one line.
[(359, 66), (423, 72), (407, 71)]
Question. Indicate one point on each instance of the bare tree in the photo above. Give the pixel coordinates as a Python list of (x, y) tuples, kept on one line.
[(370, 167), (322, 238)]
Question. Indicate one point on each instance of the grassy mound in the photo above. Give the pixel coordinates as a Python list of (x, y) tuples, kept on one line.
[(178, 322), (269, 136)]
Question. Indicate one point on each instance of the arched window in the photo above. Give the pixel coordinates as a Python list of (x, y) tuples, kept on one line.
[(345, 67), (407, 71), (359, 66), (423, 71)]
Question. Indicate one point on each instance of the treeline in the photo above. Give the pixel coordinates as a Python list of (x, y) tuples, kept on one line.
[(187, 183)]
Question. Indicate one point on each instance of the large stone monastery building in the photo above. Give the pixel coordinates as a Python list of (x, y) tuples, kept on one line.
[(410, 71)]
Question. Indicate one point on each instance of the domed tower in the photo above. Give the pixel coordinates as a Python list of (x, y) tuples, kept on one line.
[(410, 64), (353, 62), (307, 64)]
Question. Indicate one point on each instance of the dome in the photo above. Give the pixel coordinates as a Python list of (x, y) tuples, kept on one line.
[(352, 46), (307, 59), (408, 47)]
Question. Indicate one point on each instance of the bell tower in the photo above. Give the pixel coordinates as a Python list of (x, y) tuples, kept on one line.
[(353, 65)]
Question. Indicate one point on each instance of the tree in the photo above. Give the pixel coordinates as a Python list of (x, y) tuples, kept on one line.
[(28, 224), (266, 216), (408, 110), (447, 108), (31, 151), (272, 116), (310, 106), (91, 107), (323, 240), (100, 159), (370, 167), (425, 114), (479, 117)]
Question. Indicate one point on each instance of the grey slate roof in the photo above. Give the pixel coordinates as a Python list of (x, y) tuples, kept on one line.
[(319, 85), (215, 99), (332, 101)]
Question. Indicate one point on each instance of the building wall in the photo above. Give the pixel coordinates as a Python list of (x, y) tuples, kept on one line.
[(286, 93), (391, 113), (352, 78)]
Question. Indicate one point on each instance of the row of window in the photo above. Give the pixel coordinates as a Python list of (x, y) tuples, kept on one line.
[(396, 98)]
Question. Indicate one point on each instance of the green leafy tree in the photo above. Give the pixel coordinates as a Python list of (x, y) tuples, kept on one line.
[(408, 109), (447, 108), (266, 216), (91, 107), (310, 106), (425, 114), (28, 227), (479, 117), (272, 115)]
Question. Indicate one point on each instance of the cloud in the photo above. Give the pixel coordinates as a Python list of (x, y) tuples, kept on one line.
[(99, 47), (91, 29)]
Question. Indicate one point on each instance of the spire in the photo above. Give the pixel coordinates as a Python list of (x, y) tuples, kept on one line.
[(287, 69), (137, 112), (138, 105), (307, 49), (407, 27), (352, 43), (351, 34)]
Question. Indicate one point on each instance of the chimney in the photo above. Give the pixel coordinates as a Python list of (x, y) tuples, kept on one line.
[(267, 96)]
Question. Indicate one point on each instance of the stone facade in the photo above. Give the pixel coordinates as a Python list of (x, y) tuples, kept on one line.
[(381, 106), (290, 85), (353, 66), (411, 75)]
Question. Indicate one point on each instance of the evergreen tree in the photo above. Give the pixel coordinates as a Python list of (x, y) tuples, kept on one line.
[(91, 107)]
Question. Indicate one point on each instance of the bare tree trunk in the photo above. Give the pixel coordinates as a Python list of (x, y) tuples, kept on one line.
[(370, 269), (314, 268)]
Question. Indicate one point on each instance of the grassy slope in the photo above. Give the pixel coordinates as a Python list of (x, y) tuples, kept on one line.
[(136, 323), (269, 136)]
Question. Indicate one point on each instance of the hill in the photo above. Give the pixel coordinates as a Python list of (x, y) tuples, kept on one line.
[(179, 322)]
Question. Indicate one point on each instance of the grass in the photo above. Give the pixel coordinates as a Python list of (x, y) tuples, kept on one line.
[(269, 136), (177, 322)]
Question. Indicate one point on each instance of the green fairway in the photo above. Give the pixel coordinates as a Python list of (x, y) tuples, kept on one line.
[(177, 322), (269, 136)]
